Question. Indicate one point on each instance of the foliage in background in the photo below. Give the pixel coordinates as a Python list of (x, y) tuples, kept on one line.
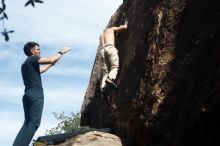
[(67, 124), (3, 16)]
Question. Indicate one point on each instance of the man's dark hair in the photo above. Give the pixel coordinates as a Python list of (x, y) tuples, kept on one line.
[(28, 47)]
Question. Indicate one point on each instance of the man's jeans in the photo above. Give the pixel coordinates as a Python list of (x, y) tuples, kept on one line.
[(33, 107)]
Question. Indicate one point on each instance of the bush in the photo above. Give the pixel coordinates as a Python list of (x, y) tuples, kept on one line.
[(67, 124)]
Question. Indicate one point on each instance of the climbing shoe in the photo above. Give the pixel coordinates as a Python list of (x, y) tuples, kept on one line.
[(111, 83)]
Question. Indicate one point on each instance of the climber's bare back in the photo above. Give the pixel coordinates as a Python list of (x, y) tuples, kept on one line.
[(107, 37)]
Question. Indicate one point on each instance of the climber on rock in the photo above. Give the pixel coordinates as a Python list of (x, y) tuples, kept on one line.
[(33, 98), (109, 56)]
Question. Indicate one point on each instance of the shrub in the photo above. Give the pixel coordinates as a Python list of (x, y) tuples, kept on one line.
[(67, 124)]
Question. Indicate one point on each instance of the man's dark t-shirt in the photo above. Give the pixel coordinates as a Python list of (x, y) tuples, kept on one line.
[(31, 75)]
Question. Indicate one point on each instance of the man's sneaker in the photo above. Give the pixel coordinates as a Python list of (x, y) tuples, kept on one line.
[(112, 83)]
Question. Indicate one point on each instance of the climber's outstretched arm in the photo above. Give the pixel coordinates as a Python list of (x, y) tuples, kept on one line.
[(120, 28)]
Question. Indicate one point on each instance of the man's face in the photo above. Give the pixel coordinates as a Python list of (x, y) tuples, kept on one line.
[(36, 51)]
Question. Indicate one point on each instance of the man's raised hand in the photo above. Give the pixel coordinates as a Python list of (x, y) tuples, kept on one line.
[(65, 50)]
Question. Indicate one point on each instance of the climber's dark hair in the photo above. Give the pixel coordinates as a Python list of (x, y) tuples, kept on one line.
[(28, 47)]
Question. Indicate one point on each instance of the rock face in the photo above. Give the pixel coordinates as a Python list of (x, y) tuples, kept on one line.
[(94, 138), (169, 78)]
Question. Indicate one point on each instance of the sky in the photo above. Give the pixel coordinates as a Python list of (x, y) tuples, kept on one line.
[(54, 24)]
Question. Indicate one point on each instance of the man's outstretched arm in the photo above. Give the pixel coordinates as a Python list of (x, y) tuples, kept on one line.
[(45, 68), (50, 61), (53, 59)]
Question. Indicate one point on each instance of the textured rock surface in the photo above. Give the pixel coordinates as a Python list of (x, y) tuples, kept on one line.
[(94, 138), (169, 78)]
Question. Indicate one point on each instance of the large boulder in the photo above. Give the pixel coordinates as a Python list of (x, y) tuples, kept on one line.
[(93, 138), (169, 76)]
